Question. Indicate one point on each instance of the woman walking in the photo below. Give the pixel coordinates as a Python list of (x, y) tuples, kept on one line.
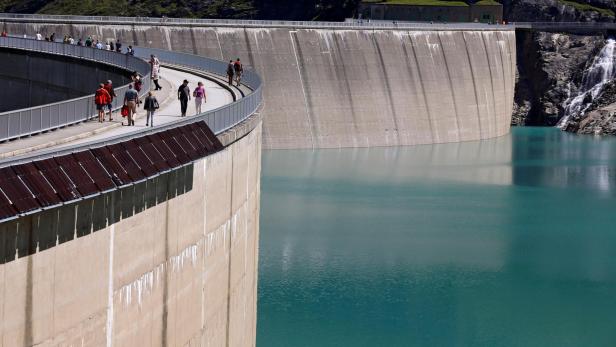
[(101, 99), (150, 105), (155, 72), (199, 95)]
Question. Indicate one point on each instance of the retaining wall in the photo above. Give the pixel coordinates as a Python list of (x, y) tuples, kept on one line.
[(351, 88), (31, 79), (169, 261)]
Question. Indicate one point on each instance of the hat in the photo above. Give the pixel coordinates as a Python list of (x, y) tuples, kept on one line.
[(109, 81)]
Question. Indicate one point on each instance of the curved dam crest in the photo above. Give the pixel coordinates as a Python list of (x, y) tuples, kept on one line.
[(328, 88)]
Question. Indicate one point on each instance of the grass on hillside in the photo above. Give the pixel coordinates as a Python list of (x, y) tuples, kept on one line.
[(586, 7), (419, 2), (487, 2)]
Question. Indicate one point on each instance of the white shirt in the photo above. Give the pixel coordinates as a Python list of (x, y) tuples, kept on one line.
[(108, 47), (39, 37), (71, 41), (99, 45)]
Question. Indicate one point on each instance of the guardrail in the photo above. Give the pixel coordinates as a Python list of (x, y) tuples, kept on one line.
[(32, 120), (358, 24), (219, 120)]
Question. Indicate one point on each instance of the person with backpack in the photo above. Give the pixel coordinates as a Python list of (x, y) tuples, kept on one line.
[(112, 94), (230, 72), (101, 99), (150, 105), (238, 69), (184, 96), (199, 95), (130, 100)]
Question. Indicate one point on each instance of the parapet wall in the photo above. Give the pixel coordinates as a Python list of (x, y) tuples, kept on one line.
[(171, 261), (351, 88)]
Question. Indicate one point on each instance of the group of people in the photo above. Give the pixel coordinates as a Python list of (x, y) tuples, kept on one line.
[(235, 69), (105, 95), (109, 45)]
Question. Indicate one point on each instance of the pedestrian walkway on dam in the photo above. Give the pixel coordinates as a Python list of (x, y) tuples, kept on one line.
[(169, 111)]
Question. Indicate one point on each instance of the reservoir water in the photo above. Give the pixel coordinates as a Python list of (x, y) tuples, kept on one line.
[(506, 242)]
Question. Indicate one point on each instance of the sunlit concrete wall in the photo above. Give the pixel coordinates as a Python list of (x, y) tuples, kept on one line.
[(168, 262), (352, 88)]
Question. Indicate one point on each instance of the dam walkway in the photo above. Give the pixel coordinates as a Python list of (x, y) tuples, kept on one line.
[(217, 96)]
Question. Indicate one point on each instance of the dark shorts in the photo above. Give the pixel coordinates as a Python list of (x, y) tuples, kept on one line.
[(100, 107), (110, 106)]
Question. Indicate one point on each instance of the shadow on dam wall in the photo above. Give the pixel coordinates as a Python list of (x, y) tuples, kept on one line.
[(46, 229), (328, 88)]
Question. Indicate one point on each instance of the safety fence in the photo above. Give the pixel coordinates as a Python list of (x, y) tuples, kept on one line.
[(32, 120), (218, 120), (359, 24)]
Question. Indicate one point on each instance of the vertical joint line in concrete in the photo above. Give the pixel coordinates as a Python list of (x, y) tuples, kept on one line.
[(453, 93), (470, 64), (392, 105), (110, 287), (301, 79), (230, 248), (423, 90), (485, 47)]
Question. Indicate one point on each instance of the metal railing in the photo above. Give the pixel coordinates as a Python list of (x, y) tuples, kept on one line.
[(32, 120), (358, 24), (219, 120)]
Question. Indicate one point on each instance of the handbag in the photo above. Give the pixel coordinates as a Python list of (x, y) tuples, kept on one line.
[(124, 111)]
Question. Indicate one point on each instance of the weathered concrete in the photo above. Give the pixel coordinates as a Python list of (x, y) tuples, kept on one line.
[(171, 261), (352, 88), (32, 79)]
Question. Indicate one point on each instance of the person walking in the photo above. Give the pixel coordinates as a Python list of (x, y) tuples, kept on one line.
[(52, 38), (184, 96), (112, 94), (199, 95), (112, 46), (130, 100), (230, 72), (39, 37), (238, 69), (118, 46), (155, 73), (150, 105), (101, 99), (107, 46), (80, 42), (89, 41), (4, 34), (130, 51)]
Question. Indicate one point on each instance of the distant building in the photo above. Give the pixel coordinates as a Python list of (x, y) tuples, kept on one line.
[(485, 11)]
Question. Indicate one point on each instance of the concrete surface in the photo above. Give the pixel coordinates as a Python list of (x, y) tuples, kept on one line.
[(169, 111), (30, 79), (352, 88), (171, 261)]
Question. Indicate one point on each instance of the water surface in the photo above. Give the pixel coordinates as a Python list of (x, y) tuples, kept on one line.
[(506, 242)]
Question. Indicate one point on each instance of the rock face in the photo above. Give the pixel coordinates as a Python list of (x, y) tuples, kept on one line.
[(550, 68), (557, 11), (600, 118)]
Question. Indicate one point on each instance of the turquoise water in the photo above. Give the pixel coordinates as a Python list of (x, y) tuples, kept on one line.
[(507, 242)]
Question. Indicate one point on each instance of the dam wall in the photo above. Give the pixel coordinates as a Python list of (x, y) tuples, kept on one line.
[(357, 87), (169, 261), (31, 79)]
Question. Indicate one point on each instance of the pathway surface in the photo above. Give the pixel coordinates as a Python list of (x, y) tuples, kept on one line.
[(170, 110)]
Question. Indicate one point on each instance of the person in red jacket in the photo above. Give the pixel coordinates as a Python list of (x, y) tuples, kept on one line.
[(101, 99), (112, 94)]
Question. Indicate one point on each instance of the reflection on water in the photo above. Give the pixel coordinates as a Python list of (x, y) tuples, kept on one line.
[(505, 242)]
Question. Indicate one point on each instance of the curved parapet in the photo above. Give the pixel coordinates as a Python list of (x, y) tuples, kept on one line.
[(145, 238), (344, 84)]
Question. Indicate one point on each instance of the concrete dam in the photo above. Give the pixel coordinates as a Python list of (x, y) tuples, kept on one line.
[(329, 87)]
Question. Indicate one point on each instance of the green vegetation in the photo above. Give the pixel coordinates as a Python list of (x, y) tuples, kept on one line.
[(587, 7), (419, 2), (487, 3)]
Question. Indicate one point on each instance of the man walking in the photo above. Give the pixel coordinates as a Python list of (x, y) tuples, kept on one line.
[(112, 94), (184, 96), (130, 100), (239, 69), (230, 72)]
